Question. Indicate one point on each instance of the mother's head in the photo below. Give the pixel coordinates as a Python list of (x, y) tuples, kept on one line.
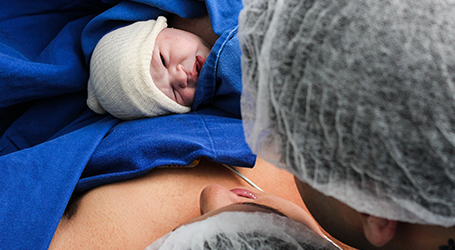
[(357, 100), (243, 218)]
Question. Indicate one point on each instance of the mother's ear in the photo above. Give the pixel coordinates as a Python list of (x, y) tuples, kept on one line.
[(378, 231)]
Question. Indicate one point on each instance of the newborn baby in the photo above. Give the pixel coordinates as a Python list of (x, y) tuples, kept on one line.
[(145, 69)]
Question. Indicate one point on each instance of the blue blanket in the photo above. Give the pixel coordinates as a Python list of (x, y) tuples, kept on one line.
[(52, 145)]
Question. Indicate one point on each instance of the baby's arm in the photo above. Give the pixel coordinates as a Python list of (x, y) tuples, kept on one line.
[(200, 26)]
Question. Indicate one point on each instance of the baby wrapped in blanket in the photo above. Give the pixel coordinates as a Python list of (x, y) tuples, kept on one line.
[(144, 70)]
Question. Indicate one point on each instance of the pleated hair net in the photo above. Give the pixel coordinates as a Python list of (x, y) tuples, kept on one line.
[(243, 230), (357, 99)]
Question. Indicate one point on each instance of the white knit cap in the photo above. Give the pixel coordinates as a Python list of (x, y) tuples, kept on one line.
[(120, 82)]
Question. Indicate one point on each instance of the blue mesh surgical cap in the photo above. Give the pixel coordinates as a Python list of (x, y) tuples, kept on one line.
[(357, 99)]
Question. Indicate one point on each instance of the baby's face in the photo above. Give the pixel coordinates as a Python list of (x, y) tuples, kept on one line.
[(177, 59)]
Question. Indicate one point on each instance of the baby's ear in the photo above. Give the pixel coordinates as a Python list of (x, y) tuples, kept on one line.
[(378, 231)]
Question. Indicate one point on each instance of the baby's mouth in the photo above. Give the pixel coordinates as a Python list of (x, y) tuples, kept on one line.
[(199, 63)]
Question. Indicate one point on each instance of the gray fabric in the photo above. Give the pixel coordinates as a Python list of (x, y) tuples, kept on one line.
[(356, 98), (243, 230)]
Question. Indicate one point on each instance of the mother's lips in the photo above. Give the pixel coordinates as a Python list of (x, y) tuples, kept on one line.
[(244, 193)]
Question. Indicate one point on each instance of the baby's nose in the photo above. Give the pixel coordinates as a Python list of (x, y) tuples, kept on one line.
[(181, 77)]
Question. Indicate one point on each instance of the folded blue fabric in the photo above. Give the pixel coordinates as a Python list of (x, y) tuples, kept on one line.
[(132, 148), (37, 183), (220, 82), (51, 144)]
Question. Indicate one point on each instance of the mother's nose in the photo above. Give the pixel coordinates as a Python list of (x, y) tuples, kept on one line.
[(215, 196)]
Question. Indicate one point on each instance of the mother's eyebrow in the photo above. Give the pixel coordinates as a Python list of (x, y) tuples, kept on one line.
[(271, 209)]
